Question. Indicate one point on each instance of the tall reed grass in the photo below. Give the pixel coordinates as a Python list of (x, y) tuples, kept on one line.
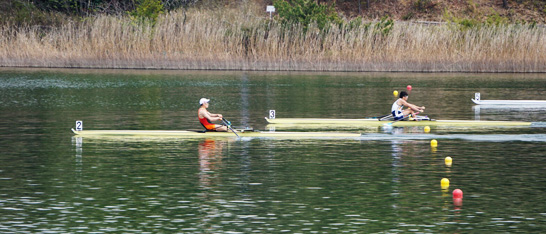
[(235, 40)]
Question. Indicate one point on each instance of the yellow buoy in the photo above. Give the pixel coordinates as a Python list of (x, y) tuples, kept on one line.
[(427, 129), (448, 161), (395, 93), (433, 143), (445, 182)]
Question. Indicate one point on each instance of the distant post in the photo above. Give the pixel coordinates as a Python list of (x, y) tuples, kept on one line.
[(270, 9), (271, 114)]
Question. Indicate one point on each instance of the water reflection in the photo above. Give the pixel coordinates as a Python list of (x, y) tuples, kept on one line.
[(245, 102), (210, 162), (510, 112), (78, 144), (210, 153)]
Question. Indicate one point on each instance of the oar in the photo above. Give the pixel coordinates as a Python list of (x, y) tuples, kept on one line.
[(378, 117), (228, 124)]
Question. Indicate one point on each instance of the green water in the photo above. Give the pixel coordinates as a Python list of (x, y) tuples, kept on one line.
[(51, 182)]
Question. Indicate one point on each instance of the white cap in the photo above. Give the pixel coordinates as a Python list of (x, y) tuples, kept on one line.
[(203, 101)]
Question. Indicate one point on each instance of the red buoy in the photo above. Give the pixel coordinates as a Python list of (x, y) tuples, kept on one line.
[(457, 194), (409, 87)]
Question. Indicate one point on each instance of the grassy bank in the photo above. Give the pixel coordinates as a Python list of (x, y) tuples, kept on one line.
[(239, 39)]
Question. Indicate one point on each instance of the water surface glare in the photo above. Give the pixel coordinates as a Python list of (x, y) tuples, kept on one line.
[(386, 181)]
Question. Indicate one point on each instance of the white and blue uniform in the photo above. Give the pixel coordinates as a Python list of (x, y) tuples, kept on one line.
[(396, 110)]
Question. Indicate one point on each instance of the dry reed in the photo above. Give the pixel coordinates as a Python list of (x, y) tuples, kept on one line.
[(239, 40)]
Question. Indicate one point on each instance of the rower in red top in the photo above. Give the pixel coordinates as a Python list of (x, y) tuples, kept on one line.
[(205, 117)]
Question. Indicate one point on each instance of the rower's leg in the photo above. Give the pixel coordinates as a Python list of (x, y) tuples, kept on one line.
[(407, 112), (221, 128)]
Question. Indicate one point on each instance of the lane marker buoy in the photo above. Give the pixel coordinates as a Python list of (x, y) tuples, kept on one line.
[(448, 161)]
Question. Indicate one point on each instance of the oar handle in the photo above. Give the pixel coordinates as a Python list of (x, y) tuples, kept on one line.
[(226, 122)]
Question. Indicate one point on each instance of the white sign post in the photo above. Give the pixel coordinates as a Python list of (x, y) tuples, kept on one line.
[(477, 96), (270, 9), (79, 125)]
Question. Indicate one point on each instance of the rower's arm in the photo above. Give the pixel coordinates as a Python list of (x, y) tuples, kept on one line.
[(211, 117), (412, 106), (214, 117)]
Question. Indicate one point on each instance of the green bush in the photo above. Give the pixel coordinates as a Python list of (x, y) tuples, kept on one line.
[(496, 20), (147, 10), (461, 23), (384, 26), (305, 12), (469, 23)]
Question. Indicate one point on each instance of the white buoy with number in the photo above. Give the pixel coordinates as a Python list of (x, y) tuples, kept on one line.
[(79, 125)]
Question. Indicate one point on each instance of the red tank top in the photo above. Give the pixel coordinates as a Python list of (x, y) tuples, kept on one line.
[(206, 123)]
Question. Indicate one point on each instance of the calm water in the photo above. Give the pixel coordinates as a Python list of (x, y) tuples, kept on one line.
[(387, 181)]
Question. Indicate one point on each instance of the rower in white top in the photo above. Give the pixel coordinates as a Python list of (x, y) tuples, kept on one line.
[(399, 113)]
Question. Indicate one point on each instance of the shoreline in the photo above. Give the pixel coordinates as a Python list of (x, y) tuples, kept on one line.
[(230, 40), (140, 71), (280, 67), (242, 70)]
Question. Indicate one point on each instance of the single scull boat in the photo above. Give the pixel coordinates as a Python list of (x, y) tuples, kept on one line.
[(510, 102), (315, 122), (201, 134), (477, 100)]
